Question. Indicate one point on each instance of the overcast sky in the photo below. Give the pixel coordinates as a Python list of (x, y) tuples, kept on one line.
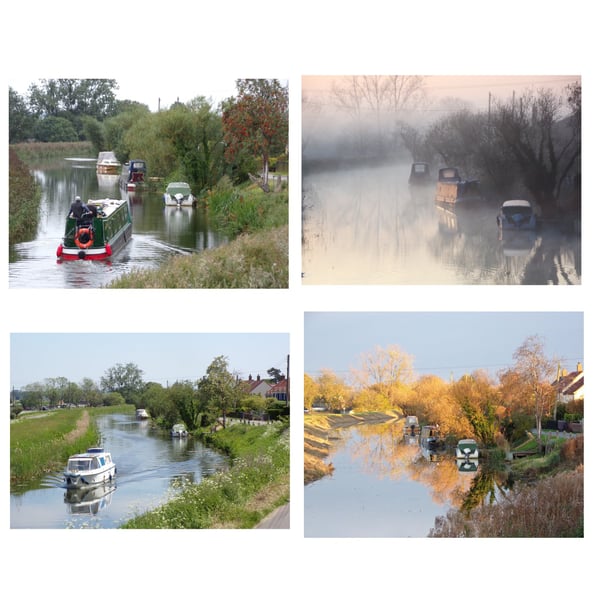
[(443, 344), (163, 357)]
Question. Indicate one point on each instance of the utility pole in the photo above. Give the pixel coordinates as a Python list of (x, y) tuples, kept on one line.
[(287, 382)]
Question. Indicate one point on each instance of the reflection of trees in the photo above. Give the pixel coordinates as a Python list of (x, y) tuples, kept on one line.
[(484, 487)]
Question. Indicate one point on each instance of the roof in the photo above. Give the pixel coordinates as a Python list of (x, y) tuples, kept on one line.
[(278, 388)]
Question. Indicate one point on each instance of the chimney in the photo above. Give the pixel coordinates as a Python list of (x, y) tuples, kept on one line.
[(579, 367), (564, 373), (250, 377), (258, 377)]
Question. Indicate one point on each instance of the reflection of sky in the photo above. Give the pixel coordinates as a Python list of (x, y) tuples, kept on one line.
[(356, 503)]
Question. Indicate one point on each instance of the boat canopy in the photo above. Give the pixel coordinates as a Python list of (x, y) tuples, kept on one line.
[(107, 157), (178, 187)]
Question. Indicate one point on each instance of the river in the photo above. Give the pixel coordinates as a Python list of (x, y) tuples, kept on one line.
[(384, 485), (158, 231), (366, 226), (150, 467)]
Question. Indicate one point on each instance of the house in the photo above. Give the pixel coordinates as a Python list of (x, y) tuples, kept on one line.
[(569, 386), (256, 387), (279, 391)]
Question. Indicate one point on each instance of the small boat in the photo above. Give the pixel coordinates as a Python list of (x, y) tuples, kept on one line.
[(107, 164), (419, 174), (178, 431), (431, 438), (411, 426), (452, 189), (91, 468), (141, 414), (179, 193), (467, 448), (516, 214), (133, 176), (99, 233)]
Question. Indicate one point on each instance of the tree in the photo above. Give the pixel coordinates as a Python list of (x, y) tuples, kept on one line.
[(218, 389), (124, 379), (187, 401), (257, 121), (333, 390), (20, 119), (275, 374), (311, 391), (535, 372)]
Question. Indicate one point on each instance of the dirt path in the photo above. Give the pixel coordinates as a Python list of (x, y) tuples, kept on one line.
[(80, 428)]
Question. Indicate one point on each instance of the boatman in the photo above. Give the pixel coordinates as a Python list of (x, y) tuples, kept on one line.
[(77, 208)]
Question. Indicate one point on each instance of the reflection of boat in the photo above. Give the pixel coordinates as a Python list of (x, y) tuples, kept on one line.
[(99, 233), (467, 448), (431, 438), (133, 175), (178, 431), (451, 189), (108, 164), (179, 193), (89, 501), (107, 183), (141, 414), (516, 214), (467, 465), (89, 469)]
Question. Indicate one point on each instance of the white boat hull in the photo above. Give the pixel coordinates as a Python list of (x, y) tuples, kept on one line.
[(82, 479)]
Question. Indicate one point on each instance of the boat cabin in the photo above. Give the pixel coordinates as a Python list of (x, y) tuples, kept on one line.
[(419, 173)]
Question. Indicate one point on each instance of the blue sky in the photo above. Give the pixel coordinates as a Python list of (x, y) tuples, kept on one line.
[(444, 344), (163, 357)]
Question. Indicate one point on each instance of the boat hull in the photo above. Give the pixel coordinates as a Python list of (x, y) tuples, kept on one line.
[(467, 449), (87, 479)]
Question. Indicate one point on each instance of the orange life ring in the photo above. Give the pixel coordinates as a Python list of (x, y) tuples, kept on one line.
[(87, 233)]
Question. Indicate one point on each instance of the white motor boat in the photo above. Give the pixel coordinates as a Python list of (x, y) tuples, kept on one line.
[(91, 468)]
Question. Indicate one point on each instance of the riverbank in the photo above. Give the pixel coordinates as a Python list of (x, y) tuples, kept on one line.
[(317, 427), (256, 484), (41, 442)]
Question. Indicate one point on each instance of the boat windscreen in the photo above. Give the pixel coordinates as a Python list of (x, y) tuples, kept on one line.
[(79, 464)]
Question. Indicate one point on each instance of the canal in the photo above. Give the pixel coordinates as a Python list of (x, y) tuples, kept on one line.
[(158, 231), (151, 467), (366, 226), (384, 485)]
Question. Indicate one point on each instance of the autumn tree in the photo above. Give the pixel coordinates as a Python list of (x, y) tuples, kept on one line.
[(256, 121), (311, 391), (333, 390)]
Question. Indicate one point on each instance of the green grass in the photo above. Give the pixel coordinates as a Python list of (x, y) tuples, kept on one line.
[(256, 484)]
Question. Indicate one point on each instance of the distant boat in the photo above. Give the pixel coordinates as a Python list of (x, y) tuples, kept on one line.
[(452, 189), (179, 193), (141, 414), (107, 164), (91, 468), (411, 426), (467, 448), (419, 174), (431, 438), (178, 431), (133, 176)]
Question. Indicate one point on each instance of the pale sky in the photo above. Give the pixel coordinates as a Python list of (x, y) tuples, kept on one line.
[(163, 357), (446, 344)]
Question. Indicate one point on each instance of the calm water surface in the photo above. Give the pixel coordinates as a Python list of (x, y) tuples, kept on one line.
[(150, 468), (366, 226), (383, 485), (158, 232)]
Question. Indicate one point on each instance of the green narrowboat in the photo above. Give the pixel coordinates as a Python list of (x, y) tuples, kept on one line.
[(100, 232)]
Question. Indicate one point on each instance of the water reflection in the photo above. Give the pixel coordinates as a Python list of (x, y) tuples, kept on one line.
[(90, 501), (368, 226)]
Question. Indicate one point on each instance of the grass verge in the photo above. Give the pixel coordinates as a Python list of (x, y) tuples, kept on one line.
[(256, 484)]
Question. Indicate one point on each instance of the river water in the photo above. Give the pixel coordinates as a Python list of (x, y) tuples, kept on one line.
[(150, 468), (366, 226), (158, 231), (383, 485)]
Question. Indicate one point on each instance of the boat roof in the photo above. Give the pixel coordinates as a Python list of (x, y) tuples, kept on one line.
[(178, 187), (107, 205), (517, 203), (89, 453), (110, 155)]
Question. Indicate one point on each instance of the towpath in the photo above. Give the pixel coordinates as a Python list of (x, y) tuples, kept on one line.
[(278, 519)]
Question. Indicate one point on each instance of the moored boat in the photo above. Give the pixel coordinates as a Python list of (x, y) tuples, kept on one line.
[(419, 174), (411, 425), (467, 448), (178, 431), (516, 214), (89, 469), (133, 176), (179, 193), (431, 438), (452, 189), (141, 414), (108, 164), (99, 233)]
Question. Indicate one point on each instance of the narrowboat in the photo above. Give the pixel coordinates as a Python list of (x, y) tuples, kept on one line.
[(178, 431), (411, 425), (467, 448), (179, 193), (419, 174), (431, 438), (91, 468), (452, 189), (103, 229), (516, 214), (133, 176), (107, 164)]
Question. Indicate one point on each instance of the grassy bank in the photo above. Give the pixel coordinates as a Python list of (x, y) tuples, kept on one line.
[(316, 438), (24, 196), (256, 484), (259, 260), (41, 443)]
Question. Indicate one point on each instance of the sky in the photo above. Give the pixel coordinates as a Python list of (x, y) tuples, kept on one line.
[(446, 344), (163, 357)]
